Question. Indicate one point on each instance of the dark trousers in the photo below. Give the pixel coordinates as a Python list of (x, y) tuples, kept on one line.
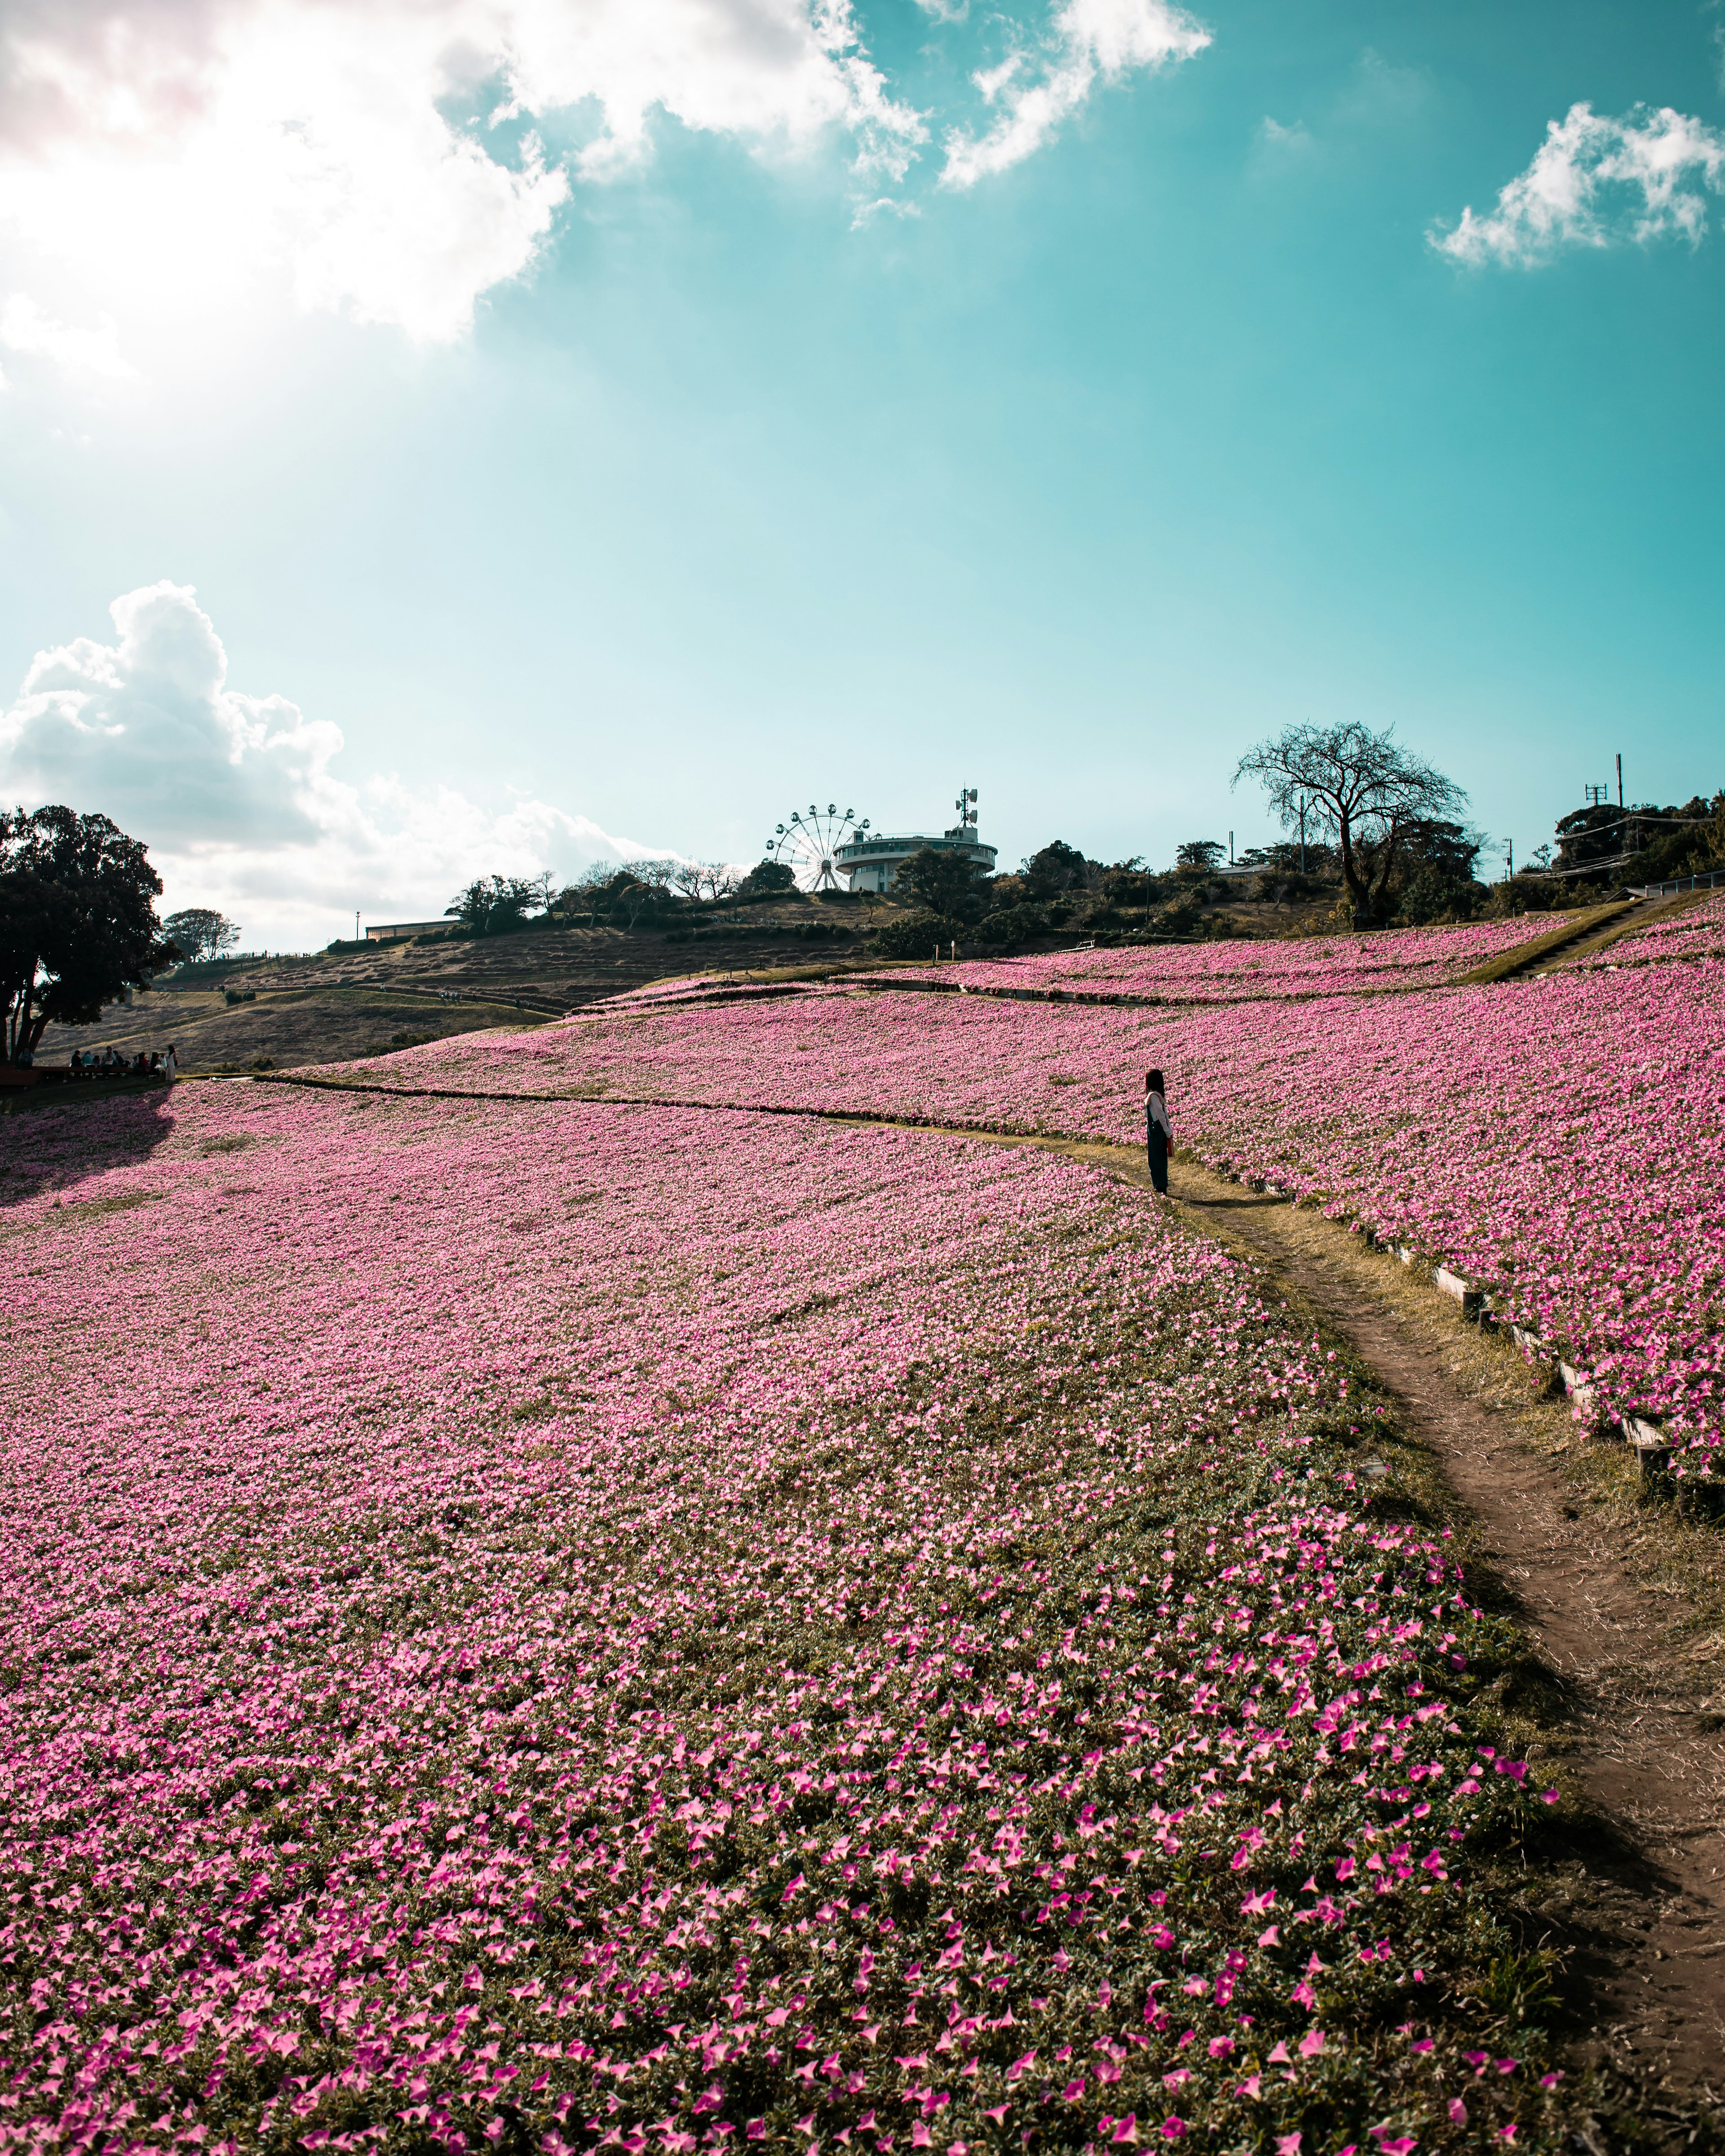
[(1158, 1143)]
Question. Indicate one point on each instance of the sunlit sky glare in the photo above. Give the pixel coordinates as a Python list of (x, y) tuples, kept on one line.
[(597, 426)]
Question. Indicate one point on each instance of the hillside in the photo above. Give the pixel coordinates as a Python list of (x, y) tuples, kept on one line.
[(352, 1001), (651, 1603)]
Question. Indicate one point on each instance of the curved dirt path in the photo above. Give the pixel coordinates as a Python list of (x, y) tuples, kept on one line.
[(1638, 1900), (1649, 1761)]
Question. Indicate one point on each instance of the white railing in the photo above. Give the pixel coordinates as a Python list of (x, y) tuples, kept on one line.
[(1683, 883)]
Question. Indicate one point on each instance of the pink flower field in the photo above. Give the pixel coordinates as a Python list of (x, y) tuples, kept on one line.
[(1560, 1140), (540, 1626), (1292, 965), (1694, 932)]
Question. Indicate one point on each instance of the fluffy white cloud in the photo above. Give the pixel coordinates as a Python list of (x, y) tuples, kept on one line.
[(235, 796), (380, 153), (1594, 181), (25, 328), (1089, 41), (388, 158)]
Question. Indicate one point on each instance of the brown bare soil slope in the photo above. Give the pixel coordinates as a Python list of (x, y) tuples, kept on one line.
[(282, 1026)]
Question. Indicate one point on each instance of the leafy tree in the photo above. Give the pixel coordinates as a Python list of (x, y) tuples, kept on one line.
[(767, 878), (1712, 838), (1646, 843), (1200, 854), (641, 889), (1590, 836), (942, 881), (201, 934), (1357, 785), (1432, 877), (915, 935), (1428, 893), (1130, 883), (1009, 926), (78, 921), (494, 905), (1055, 868)]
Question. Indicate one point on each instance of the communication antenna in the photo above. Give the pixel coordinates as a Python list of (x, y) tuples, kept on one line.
[(965, 806), (1596, 794)]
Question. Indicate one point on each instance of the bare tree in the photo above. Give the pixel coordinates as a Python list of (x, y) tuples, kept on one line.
[(720, 881), (703, 879), (1362, 787)]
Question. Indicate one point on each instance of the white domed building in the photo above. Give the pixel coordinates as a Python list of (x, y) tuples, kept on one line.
[(871, 861)]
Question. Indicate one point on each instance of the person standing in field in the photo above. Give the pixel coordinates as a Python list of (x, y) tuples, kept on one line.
[(1159, 1131)]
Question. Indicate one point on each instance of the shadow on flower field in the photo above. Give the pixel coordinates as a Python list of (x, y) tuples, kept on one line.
[(48, 1148), (552, 1625)]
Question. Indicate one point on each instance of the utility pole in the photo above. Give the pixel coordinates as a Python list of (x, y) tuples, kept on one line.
[(1231, 850), (1619, 779), (1512, 860), (355, 924)]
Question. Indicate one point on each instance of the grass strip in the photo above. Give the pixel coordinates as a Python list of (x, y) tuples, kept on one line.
[(1509, 963)]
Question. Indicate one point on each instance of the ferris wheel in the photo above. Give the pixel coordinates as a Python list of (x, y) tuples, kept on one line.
[(809, 845)]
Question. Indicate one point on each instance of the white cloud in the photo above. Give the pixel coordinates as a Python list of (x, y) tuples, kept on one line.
[(376, 151), (25, 328), (1596, 180), (235, 796), (1277, 141), (165, 161), (1090, 41), (883, 206)]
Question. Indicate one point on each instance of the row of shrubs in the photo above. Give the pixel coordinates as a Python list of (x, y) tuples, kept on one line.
[(803, 932)]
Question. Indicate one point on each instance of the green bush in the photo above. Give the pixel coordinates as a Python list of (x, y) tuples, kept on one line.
[(1011, 926), (1179, 919), (1430, 894), (915, 935)]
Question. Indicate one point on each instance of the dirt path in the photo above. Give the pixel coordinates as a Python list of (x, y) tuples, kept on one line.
[(1643, 1754)]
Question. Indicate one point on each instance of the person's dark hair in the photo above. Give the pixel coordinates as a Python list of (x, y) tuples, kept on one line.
[(1152, 1082)]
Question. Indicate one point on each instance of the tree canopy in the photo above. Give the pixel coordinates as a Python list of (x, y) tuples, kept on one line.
[(1054, 868), (78, 923), (200, 933), (943, 882), (1359, 786), (493, 905), (765, 877)]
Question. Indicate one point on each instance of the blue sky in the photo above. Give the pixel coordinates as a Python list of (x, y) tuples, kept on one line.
[(1146, 403)]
